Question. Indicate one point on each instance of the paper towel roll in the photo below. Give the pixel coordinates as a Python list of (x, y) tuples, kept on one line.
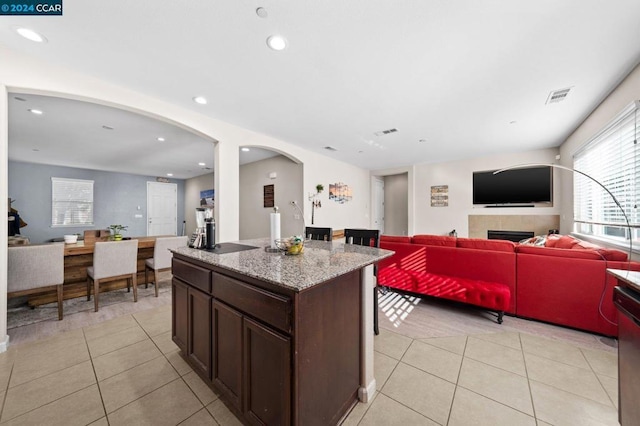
[(275, 228)]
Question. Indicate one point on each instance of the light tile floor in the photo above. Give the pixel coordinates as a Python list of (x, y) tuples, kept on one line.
[(435, 364)]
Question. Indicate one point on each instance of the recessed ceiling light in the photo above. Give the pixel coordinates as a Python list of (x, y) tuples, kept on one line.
[(513, 122), (160, 139), (276, 42), (107, 127), (31, 35), (169, 174), (200, 100), (245, 149), (262, 12), (36, 111), (422, 140), (202, 164), (35, 150)]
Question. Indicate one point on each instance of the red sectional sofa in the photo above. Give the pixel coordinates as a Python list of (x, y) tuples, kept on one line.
[(478, 272), (563, 281)]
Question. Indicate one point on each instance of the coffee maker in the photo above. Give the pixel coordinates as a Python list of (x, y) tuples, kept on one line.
[(198, 238)]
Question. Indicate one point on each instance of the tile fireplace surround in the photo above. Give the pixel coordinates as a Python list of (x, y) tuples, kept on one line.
[(538, 224)]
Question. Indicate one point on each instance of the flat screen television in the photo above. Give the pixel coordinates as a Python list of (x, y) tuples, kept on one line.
[(515, 186)]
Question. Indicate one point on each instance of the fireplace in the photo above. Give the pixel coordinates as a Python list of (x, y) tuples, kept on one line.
[(515, 236)]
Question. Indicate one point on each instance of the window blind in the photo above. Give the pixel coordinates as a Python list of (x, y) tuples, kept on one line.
[(611, 157), (72, 202)]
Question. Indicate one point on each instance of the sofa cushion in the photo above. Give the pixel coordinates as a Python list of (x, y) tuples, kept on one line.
[(538, 240), (482, 244), (560, 252), (434, 240), (562, 242), (572, 243), (613, 254), (480, 293), (395, 238)]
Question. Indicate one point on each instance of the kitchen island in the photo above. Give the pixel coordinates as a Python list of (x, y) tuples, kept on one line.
[(284, 339)]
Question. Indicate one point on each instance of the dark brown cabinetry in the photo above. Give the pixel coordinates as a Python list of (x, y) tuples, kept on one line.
[(191, 324), (267, 369), (180, 317), (227, 362), (277, 356), (199, 341)]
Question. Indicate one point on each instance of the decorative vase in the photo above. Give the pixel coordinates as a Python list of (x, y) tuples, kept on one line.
[(117, 237)]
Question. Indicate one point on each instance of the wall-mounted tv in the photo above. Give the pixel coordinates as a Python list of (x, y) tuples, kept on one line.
[(515, 186)]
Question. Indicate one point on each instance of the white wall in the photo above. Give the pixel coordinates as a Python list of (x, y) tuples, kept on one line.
[(352, 214), (192, 188), (626, 92), (254, 217), (458, 175)]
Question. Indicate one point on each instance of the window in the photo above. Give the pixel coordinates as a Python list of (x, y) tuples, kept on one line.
[(611, 157), (72, 202)]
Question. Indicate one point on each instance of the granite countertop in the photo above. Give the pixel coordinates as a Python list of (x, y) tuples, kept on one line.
[(321, 261), (631, 278)]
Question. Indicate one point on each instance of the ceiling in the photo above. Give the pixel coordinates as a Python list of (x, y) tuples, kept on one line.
[(457, 79), (80, 134)]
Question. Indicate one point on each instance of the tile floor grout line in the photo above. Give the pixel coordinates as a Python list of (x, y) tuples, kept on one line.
[(203, 408), (455, 389), (142, 396), (526, 372), (412, 409), (174, 368), (378, 390), (496, 401), (575, 394), (46, 375), (93, 367), (598, 377), (129, 369), (52, 402), (6, 391)]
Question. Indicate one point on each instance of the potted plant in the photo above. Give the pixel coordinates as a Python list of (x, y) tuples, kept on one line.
[(319, 188), (116, 231)]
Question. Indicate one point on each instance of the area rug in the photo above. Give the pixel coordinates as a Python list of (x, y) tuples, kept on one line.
[(18, 316)]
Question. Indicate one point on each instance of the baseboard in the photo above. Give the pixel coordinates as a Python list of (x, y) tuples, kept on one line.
[(366, 393), (4, 344)]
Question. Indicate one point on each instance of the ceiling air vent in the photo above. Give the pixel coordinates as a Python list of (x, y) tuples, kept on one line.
[(330, 148), (385, 132), (558, 96)]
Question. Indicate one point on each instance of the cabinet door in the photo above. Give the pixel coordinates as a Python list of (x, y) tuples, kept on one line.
[(180, 314), (227, 351), (267, 375), (199, 342)]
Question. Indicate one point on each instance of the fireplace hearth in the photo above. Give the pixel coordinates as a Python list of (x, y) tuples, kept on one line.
[(515, 236)]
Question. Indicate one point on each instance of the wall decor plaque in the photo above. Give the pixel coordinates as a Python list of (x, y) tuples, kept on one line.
[(269, 196), (440, 196)]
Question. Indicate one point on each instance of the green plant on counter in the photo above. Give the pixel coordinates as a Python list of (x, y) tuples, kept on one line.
[(116, 231)]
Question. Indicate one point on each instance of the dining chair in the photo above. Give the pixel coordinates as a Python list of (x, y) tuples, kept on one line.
[(161, 260), (35, 269), (322, 234), (369, 238), (113, 260)]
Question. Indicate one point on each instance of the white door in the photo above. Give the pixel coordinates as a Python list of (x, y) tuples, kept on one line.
[(162, 208), (378, 203)]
